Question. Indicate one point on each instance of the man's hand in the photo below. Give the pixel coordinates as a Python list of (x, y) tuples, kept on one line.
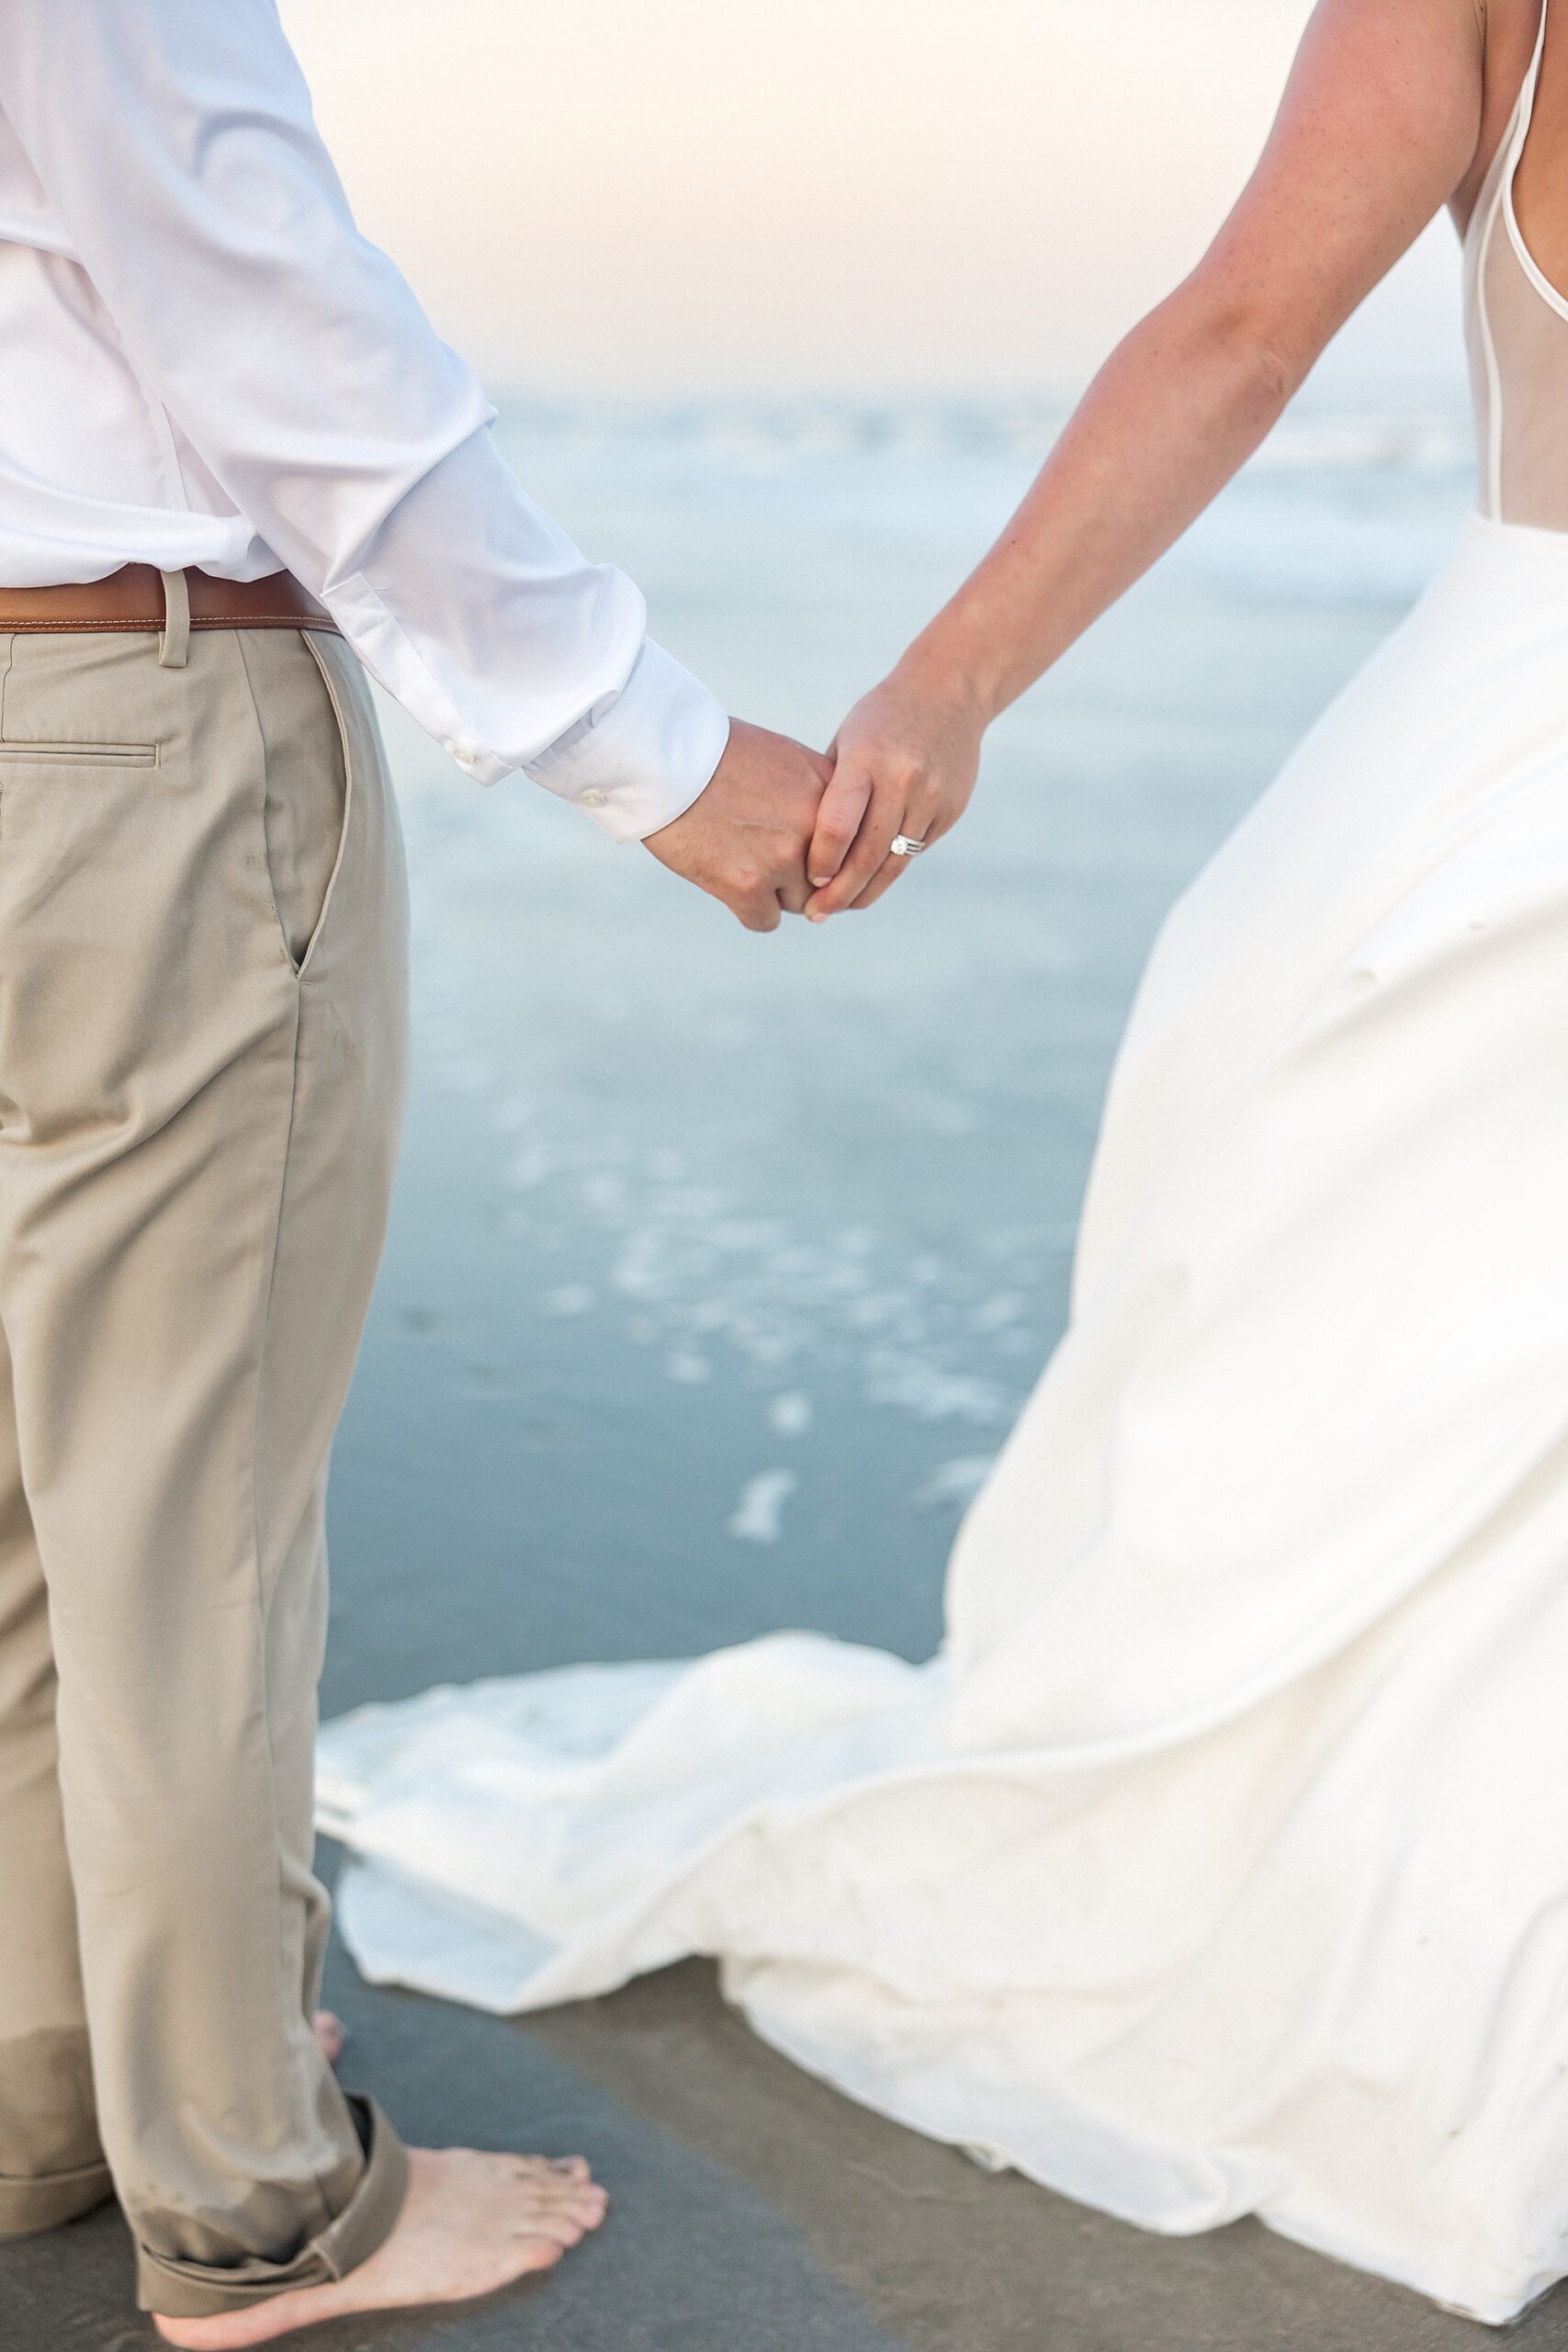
[(743, 838)]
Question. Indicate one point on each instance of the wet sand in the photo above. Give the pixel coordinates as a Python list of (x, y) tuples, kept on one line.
[(718, 1267)]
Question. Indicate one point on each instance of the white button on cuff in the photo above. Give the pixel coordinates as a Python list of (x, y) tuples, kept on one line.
[(593, 799)]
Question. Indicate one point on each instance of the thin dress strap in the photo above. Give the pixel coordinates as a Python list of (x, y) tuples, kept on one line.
[(1524, 115)]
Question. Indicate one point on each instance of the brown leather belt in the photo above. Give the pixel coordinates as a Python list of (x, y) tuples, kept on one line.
[(133, 598)]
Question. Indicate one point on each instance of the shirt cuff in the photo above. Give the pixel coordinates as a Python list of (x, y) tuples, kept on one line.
[(639, 762)]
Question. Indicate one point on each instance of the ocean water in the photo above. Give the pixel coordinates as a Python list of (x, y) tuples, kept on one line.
[(719, 1265)]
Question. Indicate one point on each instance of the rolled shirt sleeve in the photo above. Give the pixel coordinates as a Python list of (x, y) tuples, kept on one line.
[(175, 137)]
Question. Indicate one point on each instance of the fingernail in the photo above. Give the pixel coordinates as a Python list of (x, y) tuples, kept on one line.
[(819, 881)]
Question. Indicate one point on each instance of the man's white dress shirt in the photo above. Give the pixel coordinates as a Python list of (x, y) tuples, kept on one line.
[(203, 363)]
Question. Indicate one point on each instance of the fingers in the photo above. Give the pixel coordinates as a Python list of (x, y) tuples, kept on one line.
[(839, 819), (743, 838), (775, 883), (791, 888), (779, 829), (882, 881), (867, 852), (904, 809), (757, 906), (922, 827)]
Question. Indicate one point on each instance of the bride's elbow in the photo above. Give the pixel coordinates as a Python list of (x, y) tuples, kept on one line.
[(1259, 358), (1236, 352)]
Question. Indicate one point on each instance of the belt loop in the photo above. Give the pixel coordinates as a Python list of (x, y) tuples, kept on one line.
[(173, 646)]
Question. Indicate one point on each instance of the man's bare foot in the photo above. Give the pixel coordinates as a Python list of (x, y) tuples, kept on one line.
[(332, 2033), (470, 2223)]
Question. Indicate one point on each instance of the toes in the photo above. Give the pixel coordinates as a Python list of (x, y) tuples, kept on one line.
[(586, 2199), (539, 2254), (579, 2214), (552, 2169), (565, 2211), (560, 2230), (554, 2200)]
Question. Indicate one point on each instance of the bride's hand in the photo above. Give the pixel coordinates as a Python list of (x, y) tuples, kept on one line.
[(905, 761)]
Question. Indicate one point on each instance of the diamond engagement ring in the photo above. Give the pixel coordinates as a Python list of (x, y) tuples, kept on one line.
[(906, 846)]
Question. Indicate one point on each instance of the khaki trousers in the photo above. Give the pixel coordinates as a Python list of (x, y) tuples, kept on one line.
[(202, 1066)]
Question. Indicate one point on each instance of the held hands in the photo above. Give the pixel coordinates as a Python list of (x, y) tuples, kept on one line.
[(780, 830), (743, 840)]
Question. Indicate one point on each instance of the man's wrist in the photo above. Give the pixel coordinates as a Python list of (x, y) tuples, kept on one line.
[(641, 762)]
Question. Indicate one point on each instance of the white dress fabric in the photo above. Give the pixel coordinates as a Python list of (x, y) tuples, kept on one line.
[(1219, 1865)]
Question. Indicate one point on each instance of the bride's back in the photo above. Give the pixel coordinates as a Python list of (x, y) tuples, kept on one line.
[(1517, 260)]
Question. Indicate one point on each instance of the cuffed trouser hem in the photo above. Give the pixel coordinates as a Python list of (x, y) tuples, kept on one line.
[(44, 2204), (201, 2291)]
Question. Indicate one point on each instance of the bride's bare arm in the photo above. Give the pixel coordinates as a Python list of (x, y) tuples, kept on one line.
[(1379, 128)]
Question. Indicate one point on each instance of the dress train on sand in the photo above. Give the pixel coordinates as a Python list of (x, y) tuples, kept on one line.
[(1219, 1863)]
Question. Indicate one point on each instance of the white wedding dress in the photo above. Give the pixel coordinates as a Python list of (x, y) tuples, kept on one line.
[(1219, 1865)]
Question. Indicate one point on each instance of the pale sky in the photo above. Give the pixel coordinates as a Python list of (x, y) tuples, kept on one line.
[(654, 197)]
